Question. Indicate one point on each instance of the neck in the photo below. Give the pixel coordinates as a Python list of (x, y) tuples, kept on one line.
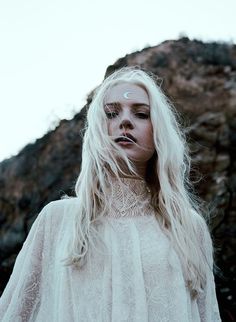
[(139, 168)]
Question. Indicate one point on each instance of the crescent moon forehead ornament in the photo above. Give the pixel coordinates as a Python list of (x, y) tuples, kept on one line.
[(126, 95)]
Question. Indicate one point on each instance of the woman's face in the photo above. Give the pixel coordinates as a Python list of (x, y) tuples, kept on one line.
[(128, 111)]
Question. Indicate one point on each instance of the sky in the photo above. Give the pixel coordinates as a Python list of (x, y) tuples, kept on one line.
[(54, 52)]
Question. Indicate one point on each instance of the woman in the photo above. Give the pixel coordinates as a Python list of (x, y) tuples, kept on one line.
[(132, 245)]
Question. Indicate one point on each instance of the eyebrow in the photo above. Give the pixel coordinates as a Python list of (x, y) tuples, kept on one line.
[(135, 105)]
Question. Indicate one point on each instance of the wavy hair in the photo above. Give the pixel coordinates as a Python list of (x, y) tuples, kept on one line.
[(177, 208)]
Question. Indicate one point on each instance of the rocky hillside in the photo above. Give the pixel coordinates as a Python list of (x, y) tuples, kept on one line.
[(200, 78)]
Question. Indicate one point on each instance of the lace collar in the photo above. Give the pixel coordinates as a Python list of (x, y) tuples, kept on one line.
[(129, 197)]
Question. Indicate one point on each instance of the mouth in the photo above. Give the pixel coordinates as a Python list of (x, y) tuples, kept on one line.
[(126, 137)]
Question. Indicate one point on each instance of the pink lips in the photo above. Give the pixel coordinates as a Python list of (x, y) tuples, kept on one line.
[(125, 143), (125, 139)]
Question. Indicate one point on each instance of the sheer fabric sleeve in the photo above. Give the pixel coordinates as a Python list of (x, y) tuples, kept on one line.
[(21, 296), (207, 301)]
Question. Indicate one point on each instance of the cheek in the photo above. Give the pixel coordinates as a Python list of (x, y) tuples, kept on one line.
[(112, 126), (151, 144), (109, 128), (149, 135)]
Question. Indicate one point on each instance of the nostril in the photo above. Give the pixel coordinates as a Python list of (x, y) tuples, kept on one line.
[(126, 123)]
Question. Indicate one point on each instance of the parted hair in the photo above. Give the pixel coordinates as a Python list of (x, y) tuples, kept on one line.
[(177, 209)]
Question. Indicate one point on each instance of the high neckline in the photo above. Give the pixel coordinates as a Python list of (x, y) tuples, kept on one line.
[(134, 185), (129, 196)]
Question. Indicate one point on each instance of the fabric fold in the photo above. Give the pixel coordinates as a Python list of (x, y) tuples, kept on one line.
[(137, 277)]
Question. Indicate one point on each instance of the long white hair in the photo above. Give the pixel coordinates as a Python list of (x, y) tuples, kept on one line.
[(177, 209)]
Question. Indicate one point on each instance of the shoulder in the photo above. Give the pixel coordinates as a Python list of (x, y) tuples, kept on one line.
[(61, 205), (55, 211)]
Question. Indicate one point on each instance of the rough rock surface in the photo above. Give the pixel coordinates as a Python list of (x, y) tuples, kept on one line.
[(200, 79)]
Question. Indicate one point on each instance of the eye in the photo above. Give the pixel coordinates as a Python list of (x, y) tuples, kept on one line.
[(111, 115), (142, 115)]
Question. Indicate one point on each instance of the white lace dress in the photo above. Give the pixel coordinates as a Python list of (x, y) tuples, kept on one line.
[(138, 279)]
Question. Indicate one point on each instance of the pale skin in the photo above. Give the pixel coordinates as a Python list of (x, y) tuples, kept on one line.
[(127, 108)]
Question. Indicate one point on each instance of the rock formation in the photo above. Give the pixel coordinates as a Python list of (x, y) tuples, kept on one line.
[(200, 79)]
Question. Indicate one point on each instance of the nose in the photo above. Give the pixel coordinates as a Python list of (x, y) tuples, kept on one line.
[(126, 124)]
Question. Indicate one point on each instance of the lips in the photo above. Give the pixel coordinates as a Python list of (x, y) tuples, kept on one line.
[(126, 137)]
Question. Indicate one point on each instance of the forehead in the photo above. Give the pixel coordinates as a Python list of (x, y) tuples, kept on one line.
[(126, 92)]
